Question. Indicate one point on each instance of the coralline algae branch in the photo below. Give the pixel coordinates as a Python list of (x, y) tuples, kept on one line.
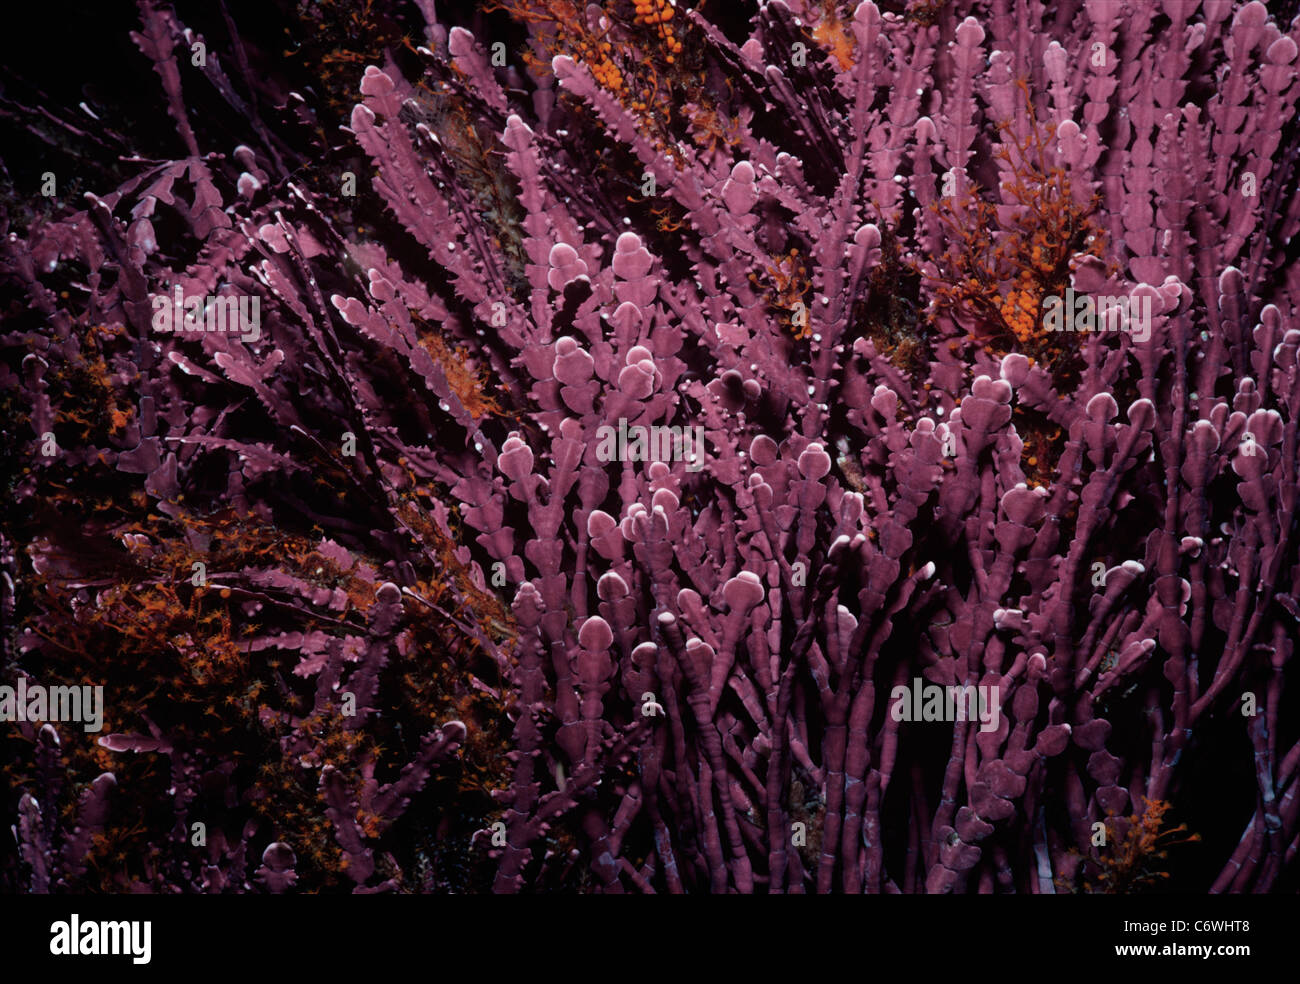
[(373, 611)]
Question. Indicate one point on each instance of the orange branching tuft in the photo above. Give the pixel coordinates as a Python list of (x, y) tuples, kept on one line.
[(1133, 859), (466, 380), (566, 24), (640, 60), (832, 35), (709, 129), (1005, 261), (90, 410), (788, 285)]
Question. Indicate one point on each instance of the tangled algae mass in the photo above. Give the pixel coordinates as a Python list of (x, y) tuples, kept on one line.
[(774, 447)]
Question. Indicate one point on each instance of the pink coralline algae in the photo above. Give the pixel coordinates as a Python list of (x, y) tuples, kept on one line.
[(945, 600)]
